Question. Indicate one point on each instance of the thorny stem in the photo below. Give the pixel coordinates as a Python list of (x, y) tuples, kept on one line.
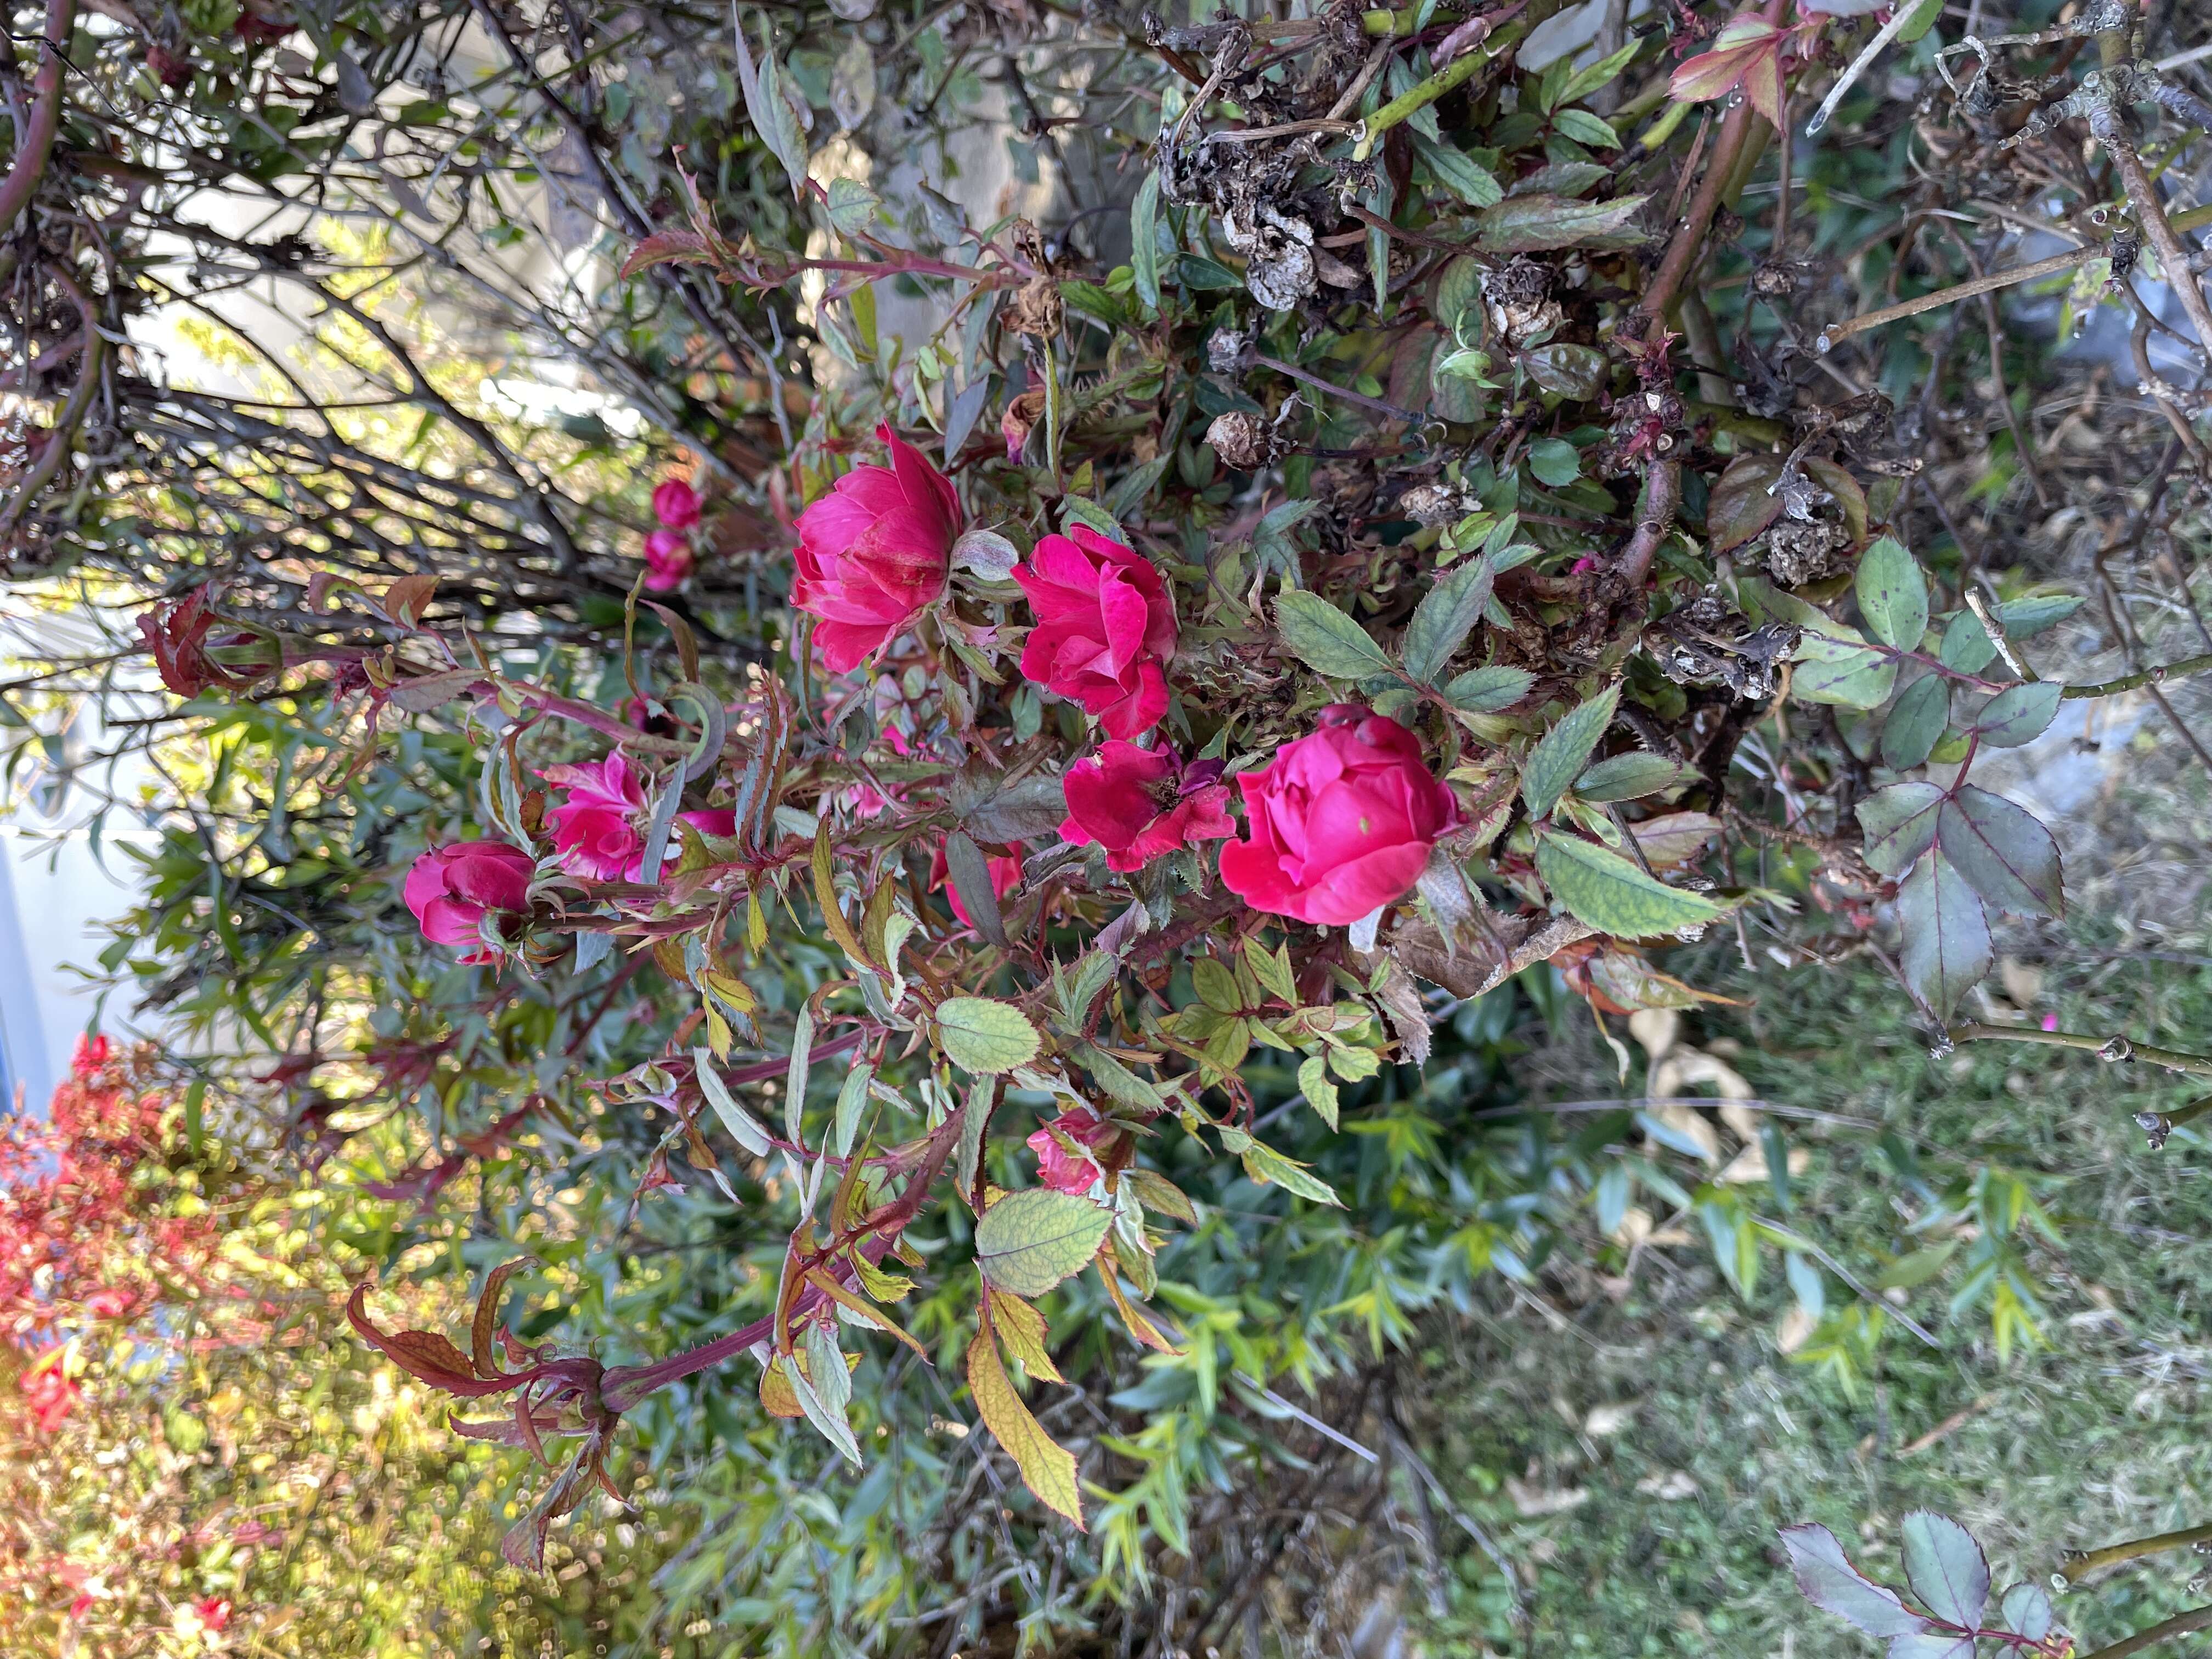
[(2109, 1048), (1651, 529), (2157, 676), (2078, 1565), (1689, 239), (2180, 1624), (35, 142)]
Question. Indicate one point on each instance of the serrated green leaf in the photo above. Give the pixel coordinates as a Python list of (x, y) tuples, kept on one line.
[(745, 1128), (1446, 615), (1946, 933), (1315, 1085), (1326, 640), (1486, 690), (1835, 667), (852, 1095), (1586, 80), (1899, 824), (852, 205), (983, 1037), (1944, 1565), (1272, 969), (1915, 721), (1145, 241), (1585, 128), (1559, 757), (2004, 853), (1893, 593), (1265, 1165), (1966, 646), (1602, 888), (1632, 776), (2018, 714), (1028, 1242), (1216, 986), (1555, 462), (1458, 171)]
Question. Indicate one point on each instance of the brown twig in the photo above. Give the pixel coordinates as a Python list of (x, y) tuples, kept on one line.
[(2172, 255)]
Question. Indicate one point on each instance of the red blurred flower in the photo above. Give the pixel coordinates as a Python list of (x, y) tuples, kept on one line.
[(49, 1395), (452, 889), (1339, 824), (213, 1611), (594, 830), (1071, 1170), (1105, 625), (874, 552), (1005, 875), (1139, 804), (92, 1051), (669, 561), (676, 504)]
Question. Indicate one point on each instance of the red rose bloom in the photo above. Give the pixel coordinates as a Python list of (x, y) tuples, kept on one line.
[(1005, 875), (1339, 824), (1105, 624), (676, 504), (668, 560), (1064, 1170), (873, 553), (452, 889), (1139, 804), (594, 830)]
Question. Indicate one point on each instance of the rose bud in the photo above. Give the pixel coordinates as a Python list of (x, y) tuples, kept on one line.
[(676, 504), (1105, 626), (452, 889), (668, 560)]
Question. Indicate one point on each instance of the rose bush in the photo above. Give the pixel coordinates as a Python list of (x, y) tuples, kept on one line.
[(904, 972)]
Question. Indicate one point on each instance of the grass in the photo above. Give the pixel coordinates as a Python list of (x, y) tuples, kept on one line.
[(1666, 1403)]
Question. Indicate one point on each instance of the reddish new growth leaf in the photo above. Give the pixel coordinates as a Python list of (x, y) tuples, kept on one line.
[(190, 656), (558, 1397)]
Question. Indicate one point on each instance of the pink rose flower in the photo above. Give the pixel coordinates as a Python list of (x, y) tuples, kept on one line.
[(668, 561), (452, 889), (1139, 804), (676, 504), (1067, 1171), (874, 552), (720, 821), (1105, 624), (1339, 823), (595, 829), (1005, 875)]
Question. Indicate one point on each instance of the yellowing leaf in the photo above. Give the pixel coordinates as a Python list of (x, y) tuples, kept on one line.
[(1048, 1468), (985, 1037), (1022, 1329)]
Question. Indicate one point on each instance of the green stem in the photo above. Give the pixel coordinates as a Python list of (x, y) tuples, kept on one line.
[(2180, 1624), (1461, 69), (2111, 1049), (2157, 676)]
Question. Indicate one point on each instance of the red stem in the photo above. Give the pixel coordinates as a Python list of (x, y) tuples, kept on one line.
[(36, 141)]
